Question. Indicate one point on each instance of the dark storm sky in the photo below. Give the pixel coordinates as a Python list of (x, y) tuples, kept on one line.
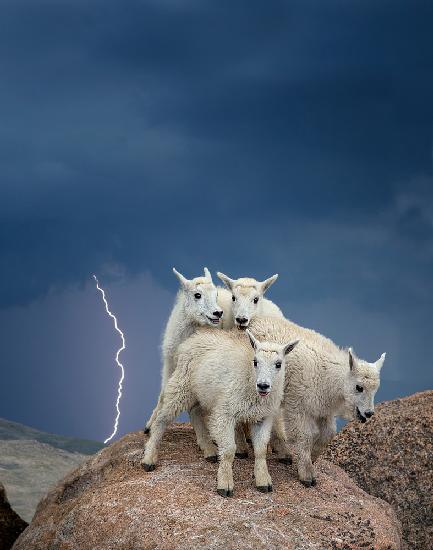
[(252, 137)]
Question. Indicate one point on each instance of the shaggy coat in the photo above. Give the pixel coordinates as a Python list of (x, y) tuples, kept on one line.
[(188, 313), (221, 373), (322, 381), (184, 320)]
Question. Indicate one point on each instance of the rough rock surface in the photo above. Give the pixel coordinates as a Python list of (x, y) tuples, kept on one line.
[(391, 457), (11, 525), (111, 502)]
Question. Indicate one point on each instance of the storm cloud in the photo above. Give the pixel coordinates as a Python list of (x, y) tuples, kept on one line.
[(291, 137)]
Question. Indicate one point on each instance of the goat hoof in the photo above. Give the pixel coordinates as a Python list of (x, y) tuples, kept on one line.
[(241, 455), (264, 488), (149, 467), (306, 482), (313, 482), (225, 492), (212, 459), (285, 460), (146, 431)]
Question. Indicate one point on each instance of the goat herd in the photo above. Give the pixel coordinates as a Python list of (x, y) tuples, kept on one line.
[(243, 371)]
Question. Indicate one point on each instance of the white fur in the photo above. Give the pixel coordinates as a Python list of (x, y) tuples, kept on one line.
[(244, 291), (321, 381), (186, 317), (216, 371), (187, 314), (244, 299)]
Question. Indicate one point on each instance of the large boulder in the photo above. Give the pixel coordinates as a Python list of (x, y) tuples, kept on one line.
[(391, 457), (11, 525), (111, 502)]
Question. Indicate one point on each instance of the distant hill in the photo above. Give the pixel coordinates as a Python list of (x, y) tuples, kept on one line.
[(28, 469), (12, 430), (31, 462)]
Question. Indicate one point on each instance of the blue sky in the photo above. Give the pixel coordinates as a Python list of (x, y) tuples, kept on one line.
[(288, 137)]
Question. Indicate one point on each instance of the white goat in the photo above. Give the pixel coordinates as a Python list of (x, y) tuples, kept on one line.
[(237, 307), (243, 300), (232, 380), (322, 382), (196, 305)]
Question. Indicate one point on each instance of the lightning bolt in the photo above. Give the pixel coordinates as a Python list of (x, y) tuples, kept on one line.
[(119, 364)]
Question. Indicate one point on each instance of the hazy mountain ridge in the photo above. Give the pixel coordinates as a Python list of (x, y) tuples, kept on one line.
[(32, 461), (13, 430)]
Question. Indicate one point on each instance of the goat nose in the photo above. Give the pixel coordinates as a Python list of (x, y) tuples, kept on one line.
[(262, 386), (369, 414), (218, 314), (241, 320)]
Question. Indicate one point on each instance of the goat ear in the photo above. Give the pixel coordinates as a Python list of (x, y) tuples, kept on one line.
[(183, 280), (226, 280), (253, 341), (352, 359), (207, 274), (380, 361), (290, 347), (268, 282)]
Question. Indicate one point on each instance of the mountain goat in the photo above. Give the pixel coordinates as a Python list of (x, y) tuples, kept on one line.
[(233, 380), (237, 307), (243, 300), (196, 305), (322, 381)]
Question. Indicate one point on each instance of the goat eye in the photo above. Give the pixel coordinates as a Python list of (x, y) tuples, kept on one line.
[(278, 364), (359, 389), (233, 299), (255, 300), (255, 362), (197, 295)]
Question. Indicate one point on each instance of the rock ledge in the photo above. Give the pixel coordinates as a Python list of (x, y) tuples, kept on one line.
[(391, 457), (110, 502)]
